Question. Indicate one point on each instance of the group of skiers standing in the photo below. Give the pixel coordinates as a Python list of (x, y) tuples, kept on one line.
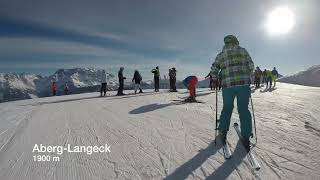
[(54, 89), (265, 77), (121, 79), (215, 82), (137, 79)]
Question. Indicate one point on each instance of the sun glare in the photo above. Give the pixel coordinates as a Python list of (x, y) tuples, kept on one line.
[(280, 21)]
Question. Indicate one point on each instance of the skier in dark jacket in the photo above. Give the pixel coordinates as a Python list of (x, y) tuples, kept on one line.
[(137, 80), (121, 82), (173, 79), (236, 67), (257, 77), (156, 76), (210, 81), (275, 76), (66, 89)]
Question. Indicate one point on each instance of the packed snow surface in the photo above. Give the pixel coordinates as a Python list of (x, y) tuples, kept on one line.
[(153, 137)]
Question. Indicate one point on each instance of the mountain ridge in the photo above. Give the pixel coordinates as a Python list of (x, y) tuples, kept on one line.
[(307, 77)]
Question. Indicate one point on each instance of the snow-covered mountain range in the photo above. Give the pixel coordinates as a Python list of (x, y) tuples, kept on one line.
[(16, 86), (308, 77)]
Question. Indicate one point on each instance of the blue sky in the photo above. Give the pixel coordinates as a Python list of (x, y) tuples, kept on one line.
[(42, 36)]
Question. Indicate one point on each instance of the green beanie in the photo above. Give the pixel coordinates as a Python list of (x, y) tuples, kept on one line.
[(232, 39)]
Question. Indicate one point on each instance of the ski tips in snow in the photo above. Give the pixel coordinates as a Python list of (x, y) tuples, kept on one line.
[(251, 158), (226, 151)]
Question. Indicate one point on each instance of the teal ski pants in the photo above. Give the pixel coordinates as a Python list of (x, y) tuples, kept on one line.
[(243, 94)]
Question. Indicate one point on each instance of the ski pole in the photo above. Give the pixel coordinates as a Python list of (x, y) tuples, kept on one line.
[(215, 135), (254, 121)]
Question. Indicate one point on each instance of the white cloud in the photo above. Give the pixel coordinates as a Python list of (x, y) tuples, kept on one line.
[(9, 46)]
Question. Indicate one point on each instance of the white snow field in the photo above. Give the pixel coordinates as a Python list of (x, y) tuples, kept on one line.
[(153, 137)]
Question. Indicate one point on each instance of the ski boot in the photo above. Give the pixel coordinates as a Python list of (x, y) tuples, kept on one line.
[(223, 137), (190, 100), (246, 144), (226, 150)]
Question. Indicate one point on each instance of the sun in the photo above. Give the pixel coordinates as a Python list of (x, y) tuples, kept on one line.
[(280, 21)]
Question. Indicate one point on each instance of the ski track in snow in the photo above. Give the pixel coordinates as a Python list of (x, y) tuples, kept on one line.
[(152, 137)]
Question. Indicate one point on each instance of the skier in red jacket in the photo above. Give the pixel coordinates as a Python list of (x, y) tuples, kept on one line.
[(54, 89)]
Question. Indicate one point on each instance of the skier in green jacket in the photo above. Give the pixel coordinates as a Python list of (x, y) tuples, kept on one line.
[(269, 79), (156, 77), (235, 65)]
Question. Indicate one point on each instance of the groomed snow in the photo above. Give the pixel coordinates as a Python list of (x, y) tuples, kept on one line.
[(153, 137)]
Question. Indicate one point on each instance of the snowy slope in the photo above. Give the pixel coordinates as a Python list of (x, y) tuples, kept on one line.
[(308, 77), (152, 137)]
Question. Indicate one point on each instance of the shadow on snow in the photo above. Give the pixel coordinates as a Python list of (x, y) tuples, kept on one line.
[(94, 97), (222, 172)]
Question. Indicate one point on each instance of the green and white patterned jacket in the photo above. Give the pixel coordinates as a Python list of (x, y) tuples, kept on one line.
[(235, 65)]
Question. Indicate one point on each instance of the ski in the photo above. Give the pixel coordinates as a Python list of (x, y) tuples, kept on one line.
[(225, 148), (183, 101), (253, 161), (226, 151)]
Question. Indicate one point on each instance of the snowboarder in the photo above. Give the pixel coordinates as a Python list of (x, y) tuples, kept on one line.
[(236, 67), (156, 76), (190, 83), (103, 83), (121, 82), (66, 89), (54, 88), (257, 77), (275, 76), (137, 80), (173, 79), (269, 79)]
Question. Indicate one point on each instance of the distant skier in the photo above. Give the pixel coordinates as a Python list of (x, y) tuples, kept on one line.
[(236, 67), (264, 76), (269, 79), (190, 83), (214, 82), (275, 76), (156, 77), (121, 82), (210, 81), (173, 79), (66, 89), (54, 89), (137, 78), (103, 83), (257, 77)]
